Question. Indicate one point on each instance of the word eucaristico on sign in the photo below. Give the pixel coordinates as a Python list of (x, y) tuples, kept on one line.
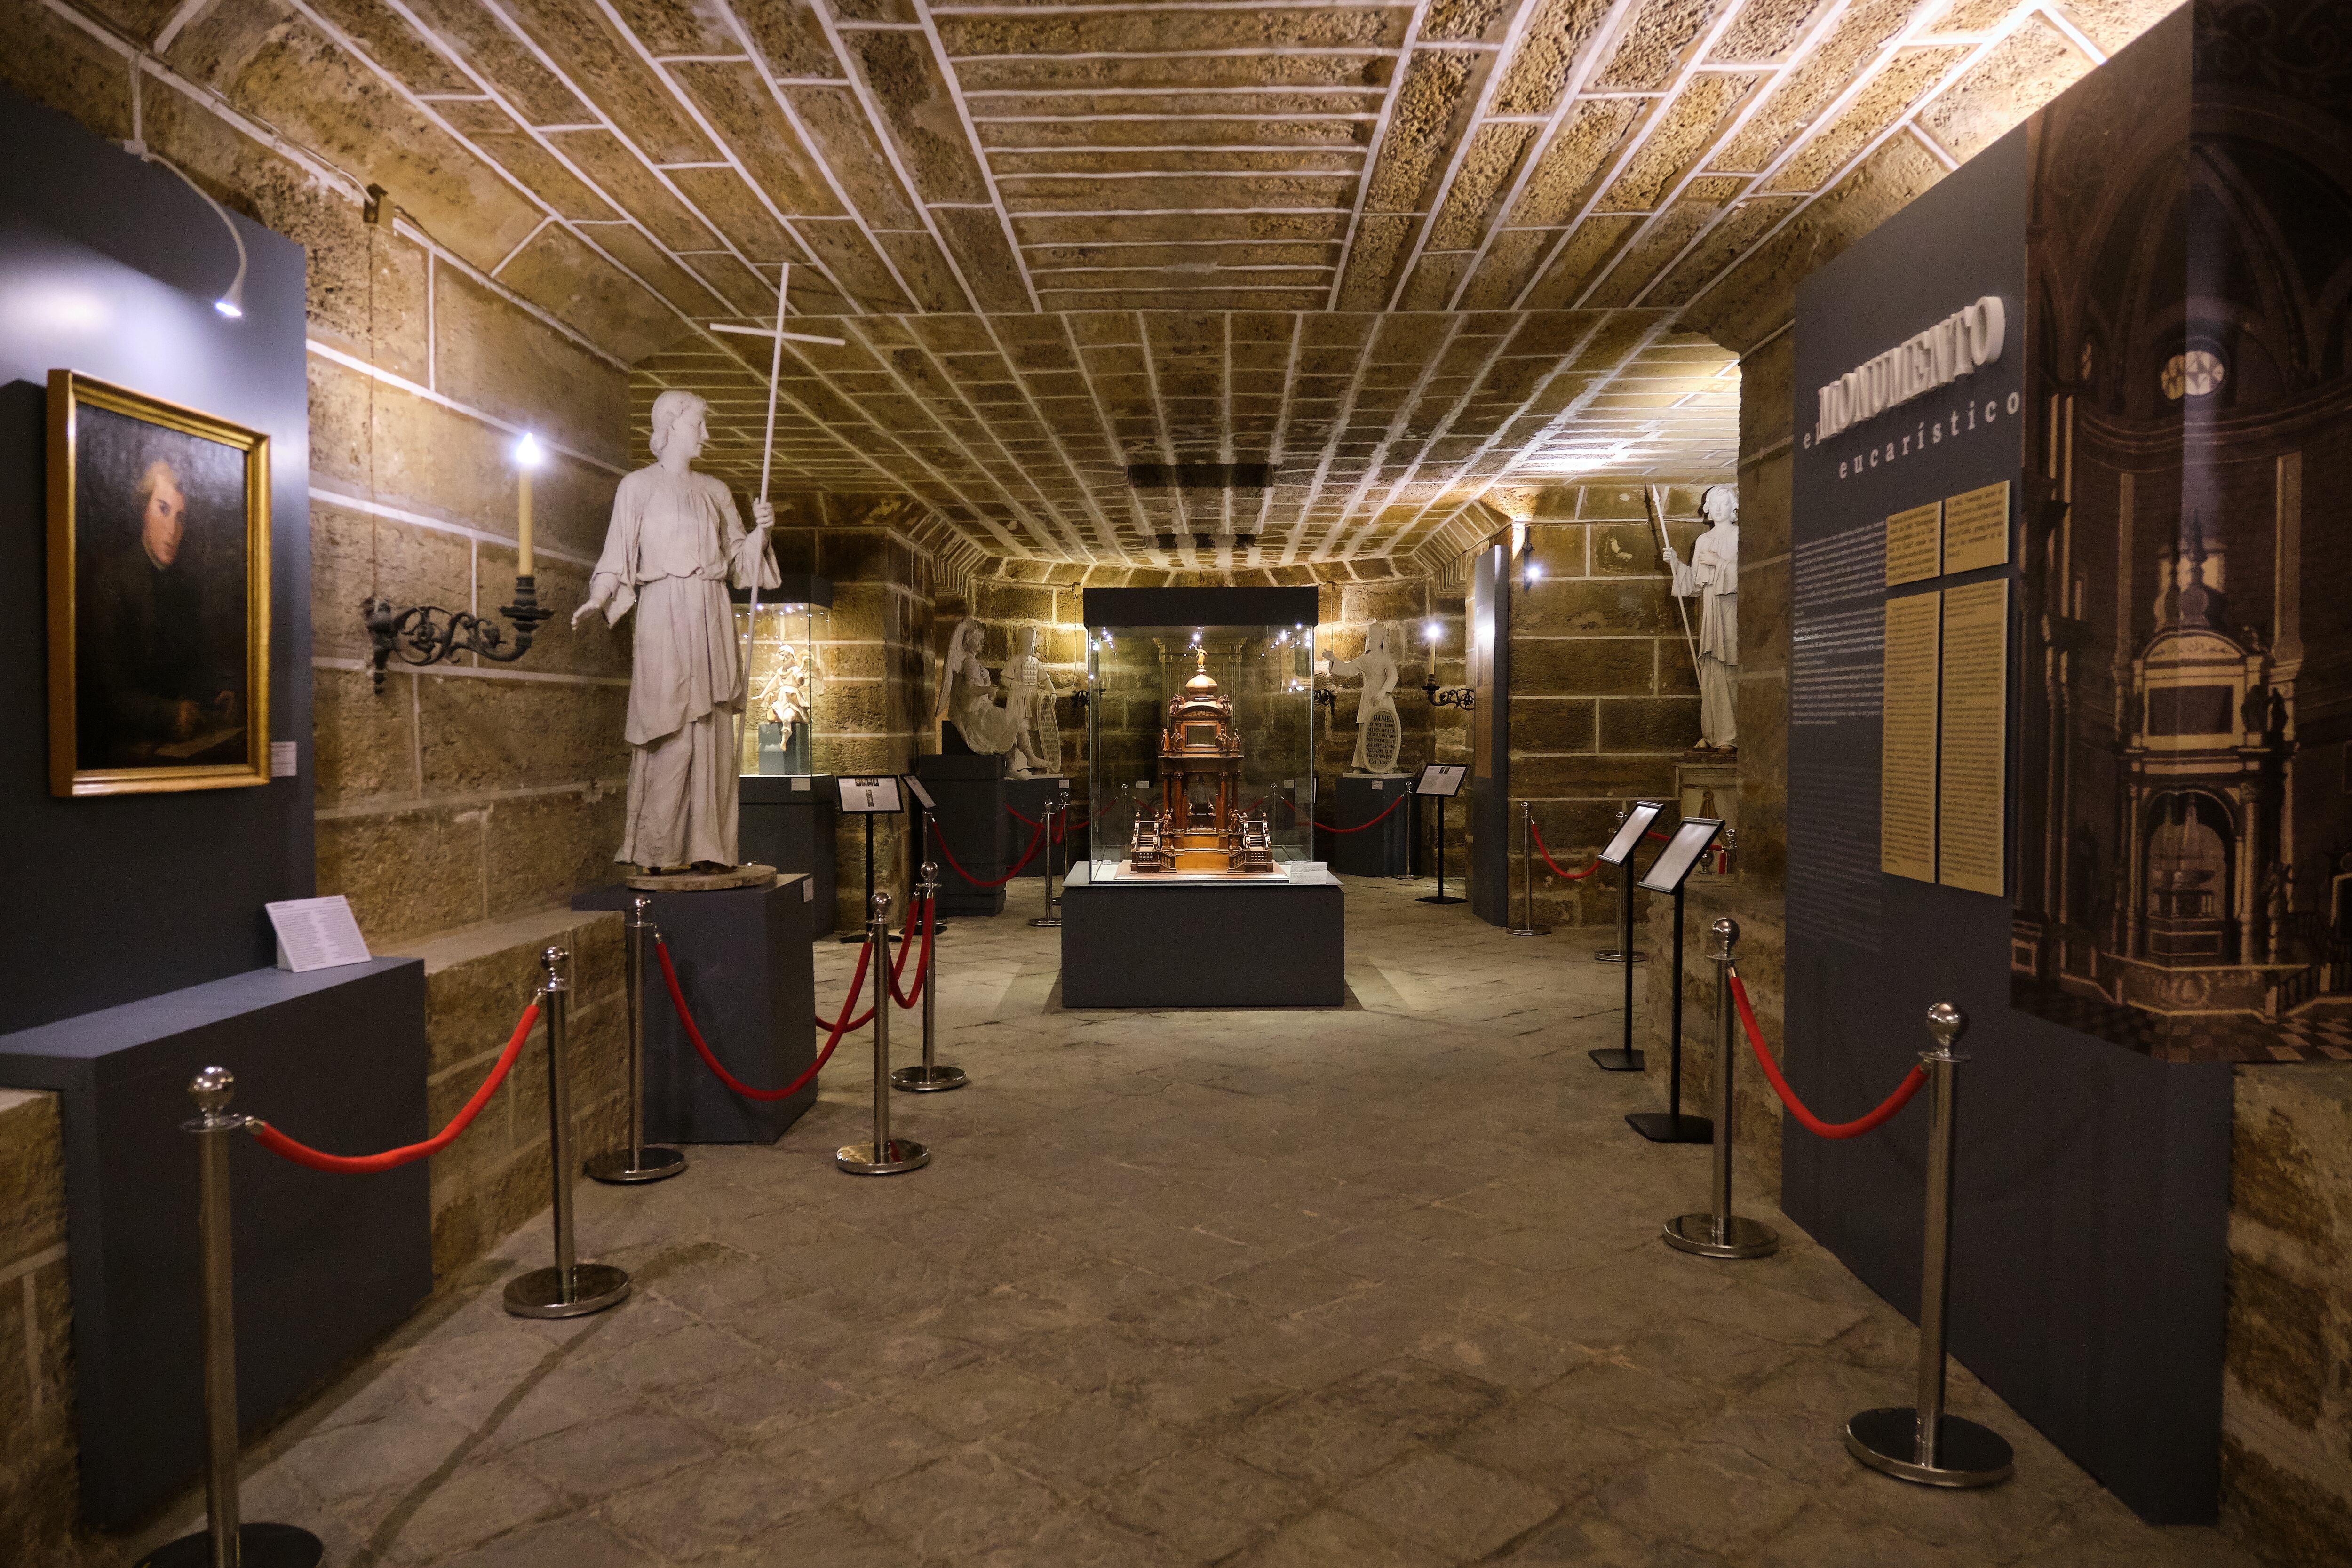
[(1954, 347)]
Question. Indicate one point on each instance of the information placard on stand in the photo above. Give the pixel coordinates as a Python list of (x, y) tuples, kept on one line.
[(869, 798), (1442, 780), (1668, 874), (1620, 854)]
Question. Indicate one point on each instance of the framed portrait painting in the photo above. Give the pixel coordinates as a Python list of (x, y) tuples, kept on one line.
[(158, 594)]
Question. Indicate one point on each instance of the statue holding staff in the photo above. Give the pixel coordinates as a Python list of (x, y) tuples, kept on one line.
[(675, 542), (1712, 577)]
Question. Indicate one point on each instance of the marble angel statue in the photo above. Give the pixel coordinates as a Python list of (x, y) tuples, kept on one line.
[(675, 542), (968, 700)]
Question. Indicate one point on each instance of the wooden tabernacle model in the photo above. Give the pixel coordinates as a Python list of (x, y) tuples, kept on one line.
[(1199, 828)]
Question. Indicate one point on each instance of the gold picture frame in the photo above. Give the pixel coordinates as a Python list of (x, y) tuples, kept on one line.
[(158, 594)]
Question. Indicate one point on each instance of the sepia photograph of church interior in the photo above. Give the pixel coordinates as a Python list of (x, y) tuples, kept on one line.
[(1115, 783)]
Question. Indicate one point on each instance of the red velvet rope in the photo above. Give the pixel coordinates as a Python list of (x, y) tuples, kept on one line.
[(1359, 828), (896, 969), (1811, 1123), (922, 970), (677, 998), (955, 865), (1570, 876), (1059, 831), (285, 1148)]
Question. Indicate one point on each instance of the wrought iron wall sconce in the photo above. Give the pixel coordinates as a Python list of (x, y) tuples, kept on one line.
[(427, 633), (1327, 700), (1463, 696)]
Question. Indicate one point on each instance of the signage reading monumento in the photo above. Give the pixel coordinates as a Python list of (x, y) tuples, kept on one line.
[(1956, 346), (1629, 832), (871, 797)]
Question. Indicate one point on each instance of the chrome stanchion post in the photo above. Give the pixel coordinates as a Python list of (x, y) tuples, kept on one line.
[(227, 1541), (1924, 1444), (572, 1289), (1721, 1233), (886, 1156), (930, 1077), (638, 1163), (1055, 811), (1526, 926)]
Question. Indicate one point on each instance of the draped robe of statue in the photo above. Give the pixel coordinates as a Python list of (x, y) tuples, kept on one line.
[(675, 542), (1712, 577)]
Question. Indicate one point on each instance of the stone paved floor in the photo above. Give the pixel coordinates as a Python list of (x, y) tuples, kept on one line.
[(1372, 1287)]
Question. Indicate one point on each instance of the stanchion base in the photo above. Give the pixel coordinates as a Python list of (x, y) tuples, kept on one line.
[(1528, 930), (929, 1080), (1046, 920), (852, 939), (540, 1294), (656, 1163), (259, 1545), (1616, 1059), (1659, 1127), (1612, 955), (898, 1155), (1968, 1454), (1696, 1233), (1439, 899)]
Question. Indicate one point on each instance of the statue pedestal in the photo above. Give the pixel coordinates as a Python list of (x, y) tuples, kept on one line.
[(971, 822), (743, 959), (748, 875), (1382, 851), (787, 822)]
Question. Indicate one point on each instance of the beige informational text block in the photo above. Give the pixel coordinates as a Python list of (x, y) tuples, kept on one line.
[(1976, 529), (1914, 543), (1907, 777), (1970, 805)]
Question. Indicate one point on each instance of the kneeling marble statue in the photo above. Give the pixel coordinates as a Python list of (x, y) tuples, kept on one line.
[(674, 543)]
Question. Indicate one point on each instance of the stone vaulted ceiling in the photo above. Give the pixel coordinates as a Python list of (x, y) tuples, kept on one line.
[(1404, 253)]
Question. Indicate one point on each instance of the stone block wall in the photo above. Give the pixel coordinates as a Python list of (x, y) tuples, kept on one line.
[(39, 1495), (2287, 1387), (1604, 701), (477, 984)]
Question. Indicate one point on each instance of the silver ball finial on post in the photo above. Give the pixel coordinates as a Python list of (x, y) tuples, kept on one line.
[(212, 1089), (877, 908), (1726, 932), (1946, 1025)]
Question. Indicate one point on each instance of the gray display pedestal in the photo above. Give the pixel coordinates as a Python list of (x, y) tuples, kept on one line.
[(1385, 850), (971, 822), (743, 961), (1137, 943), (787, 822), (326, 1264), (1030, 797)]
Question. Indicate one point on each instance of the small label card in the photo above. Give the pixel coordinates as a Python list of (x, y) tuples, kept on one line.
[(283, 762), (316, 934)]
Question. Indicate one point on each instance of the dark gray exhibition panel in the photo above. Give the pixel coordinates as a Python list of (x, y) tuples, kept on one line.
[(1486, 828), (1201, 607), (2092, 1187), (971, 828), (787, 822), (325, 1263), (1137, 943), (744, 964), (109, 266), (1378, 848)]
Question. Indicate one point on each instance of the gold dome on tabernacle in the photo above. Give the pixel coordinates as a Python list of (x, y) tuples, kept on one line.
[(1202, 683)]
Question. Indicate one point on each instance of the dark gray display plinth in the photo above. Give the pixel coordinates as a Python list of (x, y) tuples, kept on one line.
[(788, 823), (1132, 943), (1385, 850), (971, 824), (1030, 797), (325, 1264), (743, 961)]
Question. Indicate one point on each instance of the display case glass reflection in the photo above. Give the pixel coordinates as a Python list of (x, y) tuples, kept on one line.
[(1200, 748), (786, 679)]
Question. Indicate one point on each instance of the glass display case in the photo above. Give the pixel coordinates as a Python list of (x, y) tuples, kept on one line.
[(1200, 746), (786, 675)]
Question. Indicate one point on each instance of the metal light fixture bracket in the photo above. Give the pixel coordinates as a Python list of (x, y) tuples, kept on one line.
[(427, 633)]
